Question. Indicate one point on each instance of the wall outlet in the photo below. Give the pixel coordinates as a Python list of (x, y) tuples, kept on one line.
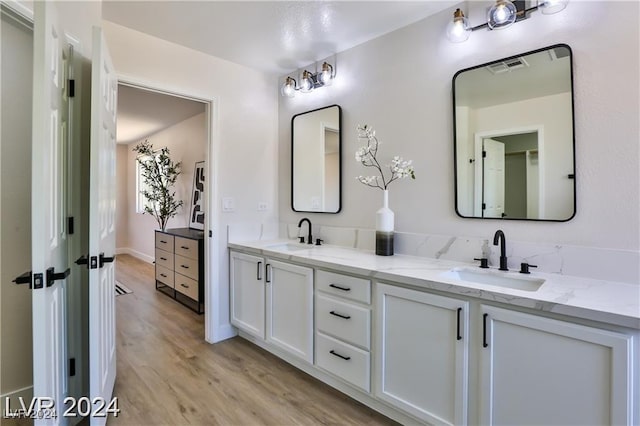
[(228, 204), (262, 206)]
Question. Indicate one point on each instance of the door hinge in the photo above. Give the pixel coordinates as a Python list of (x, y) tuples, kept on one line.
[(484, 206), (72, 367), (484, 154), (210, 233), (70, 225), (72, 88)]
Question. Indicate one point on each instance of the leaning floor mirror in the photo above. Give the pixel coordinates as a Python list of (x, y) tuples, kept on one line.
[(315, 160), (514, 137)]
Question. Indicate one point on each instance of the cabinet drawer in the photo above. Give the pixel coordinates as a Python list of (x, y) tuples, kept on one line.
[(186, 266), (344, 320), (345, 361), (345, 286), (187, 248), (164, 259), (164, 275), (164, 242), (187, 286)]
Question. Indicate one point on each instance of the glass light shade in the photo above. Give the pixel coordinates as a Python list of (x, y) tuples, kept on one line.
[(458, 29), (326, 75), (288, 88), (549, 7), (306, 82), (501, 15)]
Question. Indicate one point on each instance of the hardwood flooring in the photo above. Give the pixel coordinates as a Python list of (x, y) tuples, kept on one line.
[(168, 374)]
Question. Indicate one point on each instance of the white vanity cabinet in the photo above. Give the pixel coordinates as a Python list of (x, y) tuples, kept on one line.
[(273, 301), (247, 293), (289, 307), (422, 353), (537, 370)]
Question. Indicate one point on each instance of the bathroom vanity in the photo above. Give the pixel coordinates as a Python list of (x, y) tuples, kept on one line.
[(442, 342)]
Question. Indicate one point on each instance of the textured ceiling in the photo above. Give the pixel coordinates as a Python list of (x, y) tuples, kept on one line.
[(272, 36)]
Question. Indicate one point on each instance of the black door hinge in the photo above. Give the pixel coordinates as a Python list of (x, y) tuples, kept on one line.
[(72, 88), (210, 233), (70, 225), (72, 367), (484, 154), (484, 206)]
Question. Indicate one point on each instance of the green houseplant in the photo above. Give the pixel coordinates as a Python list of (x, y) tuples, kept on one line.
[(159, 174)]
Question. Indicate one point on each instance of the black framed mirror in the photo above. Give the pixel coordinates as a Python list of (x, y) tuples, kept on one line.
[(316, 163), (514, 137)]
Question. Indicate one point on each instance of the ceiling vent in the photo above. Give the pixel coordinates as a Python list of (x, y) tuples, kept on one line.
[(506, 66), (558, 53)]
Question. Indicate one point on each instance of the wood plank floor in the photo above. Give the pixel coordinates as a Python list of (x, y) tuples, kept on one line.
[(168, 374)]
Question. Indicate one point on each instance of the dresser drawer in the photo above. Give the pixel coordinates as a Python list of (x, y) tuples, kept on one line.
[(353, 288), (164, 259), (186, 247), (186, 266), (344, 320), (164, 242), (345, 361), (164, 275), (187, 286)]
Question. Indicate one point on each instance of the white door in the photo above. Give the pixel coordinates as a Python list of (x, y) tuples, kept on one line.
[(49, 260), (539, 371), (102, 333), (493, 178), (247, 293), (422, 354), (290, 308)]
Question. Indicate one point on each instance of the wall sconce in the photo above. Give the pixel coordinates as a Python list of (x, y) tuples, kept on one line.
[(309, 81), (501, 15)]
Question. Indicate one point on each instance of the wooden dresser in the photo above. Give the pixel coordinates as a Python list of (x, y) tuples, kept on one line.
[(180, 266)]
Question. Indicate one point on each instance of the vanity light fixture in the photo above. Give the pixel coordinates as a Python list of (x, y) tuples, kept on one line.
[(502, 14), (308, 81)]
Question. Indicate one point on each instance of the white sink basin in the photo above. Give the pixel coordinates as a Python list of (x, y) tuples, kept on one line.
[(288, 247), (495, 278)]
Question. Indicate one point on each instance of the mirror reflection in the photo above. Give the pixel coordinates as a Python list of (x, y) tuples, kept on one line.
[(514, 139), (315, 158)]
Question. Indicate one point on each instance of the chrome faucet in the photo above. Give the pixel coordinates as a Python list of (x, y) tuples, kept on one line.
[(309, 237), (503, 255)]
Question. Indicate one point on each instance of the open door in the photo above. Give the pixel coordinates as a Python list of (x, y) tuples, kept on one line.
[(493, 178), (49, 259), (102, 204)]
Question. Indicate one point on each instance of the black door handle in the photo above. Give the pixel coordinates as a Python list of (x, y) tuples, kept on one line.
[(104, 259), (53, 276), (484, 331), (459, 336), (82, 260), (24, 278), (258, 276), (91, 262)]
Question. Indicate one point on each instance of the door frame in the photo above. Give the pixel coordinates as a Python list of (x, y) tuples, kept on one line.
[(478, 184), (212, 326)]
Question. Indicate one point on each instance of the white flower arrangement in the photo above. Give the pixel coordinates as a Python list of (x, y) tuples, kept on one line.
[(367, 156)]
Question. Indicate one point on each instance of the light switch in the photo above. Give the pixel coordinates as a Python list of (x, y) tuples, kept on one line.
[(262, 206), (228, 204)]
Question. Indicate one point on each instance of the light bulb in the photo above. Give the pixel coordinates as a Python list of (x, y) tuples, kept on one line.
[(501, 15), (288, 88), (326, 75), (551, 6), (306, 82), (458, 29)]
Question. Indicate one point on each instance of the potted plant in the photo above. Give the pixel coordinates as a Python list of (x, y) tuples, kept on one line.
[(159, 174)]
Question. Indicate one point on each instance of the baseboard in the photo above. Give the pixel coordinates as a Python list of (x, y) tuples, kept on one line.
[(135, 253), (25, 393)]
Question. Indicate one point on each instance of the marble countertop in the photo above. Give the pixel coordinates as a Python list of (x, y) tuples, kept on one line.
[(598, 300)]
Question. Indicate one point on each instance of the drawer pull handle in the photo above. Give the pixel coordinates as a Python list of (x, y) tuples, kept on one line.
[(484, 331), (340, 288), (340, 315), (334, 353), (163, 241), (184, 247), (459, 336), (163, 275), (184, 266), (163, 258), (184, 285)]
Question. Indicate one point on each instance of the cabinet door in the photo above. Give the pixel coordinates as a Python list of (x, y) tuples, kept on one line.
[(542, 371), (290, 308), (247, 293), (421, 353)]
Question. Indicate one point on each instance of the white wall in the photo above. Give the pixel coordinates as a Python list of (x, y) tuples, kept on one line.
[(244, 138), (122, 202), (187, 144), (400, 84)]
